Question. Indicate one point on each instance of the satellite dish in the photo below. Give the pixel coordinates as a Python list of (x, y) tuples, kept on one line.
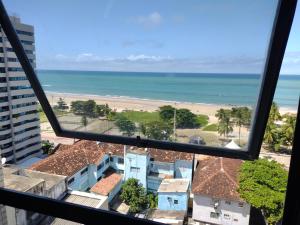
[(3, 161)]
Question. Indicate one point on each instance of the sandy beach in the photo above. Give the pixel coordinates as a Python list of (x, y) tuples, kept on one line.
[(123, 103)]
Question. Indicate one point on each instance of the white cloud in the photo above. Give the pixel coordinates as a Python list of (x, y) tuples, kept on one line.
[(147, 58), (152, 20)]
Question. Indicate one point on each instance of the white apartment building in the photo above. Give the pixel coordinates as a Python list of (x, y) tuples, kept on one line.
[(19, 121)]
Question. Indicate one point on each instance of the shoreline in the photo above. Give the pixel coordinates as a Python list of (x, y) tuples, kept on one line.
[(121, 103)]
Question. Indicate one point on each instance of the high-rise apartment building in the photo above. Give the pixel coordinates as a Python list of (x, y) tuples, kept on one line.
[(19, 120)]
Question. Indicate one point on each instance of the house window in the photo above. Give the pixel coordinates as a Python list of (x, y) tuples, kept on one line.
[(120, 160), (227, 202), (226, 216), (176, 202), (71, 181), (235, 220), (214, 215), (107, 161), (134, 169), (241, 204), (100, 166), (83, 172)]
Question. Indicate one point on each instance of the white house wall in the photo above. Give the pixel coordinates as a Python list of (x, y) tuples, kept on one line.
[(203, 206)]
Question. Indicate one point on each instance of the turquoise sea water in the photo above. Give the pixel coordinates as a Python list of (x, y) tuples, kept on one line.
[(232, 89)]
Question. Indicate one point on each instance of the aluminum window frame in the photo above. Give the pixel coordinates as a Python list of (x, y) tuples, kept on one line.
[(82, 214)]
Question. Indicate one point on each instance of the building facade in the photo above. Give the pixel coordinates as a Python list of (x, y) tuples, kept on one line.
[(216, 200), (173, 195), (19, 121)]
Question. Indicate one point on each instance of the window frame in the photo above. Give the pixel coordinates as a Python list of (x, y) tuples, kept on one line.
[(276, 48), (82, 214)]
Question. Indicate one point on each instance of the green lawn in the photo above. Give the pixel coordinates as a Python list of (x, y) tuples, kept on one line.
[(202, 119), (43, 117), (140, 117), (211, 127)]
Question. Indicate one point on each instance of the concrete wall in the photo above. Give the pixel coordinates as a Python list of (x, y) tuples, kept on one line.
[(183, 169), (115, 163), (57, 191), (136, 167), (162, 168), (167, 201), (153, 183), (228, 212), (115, 191)]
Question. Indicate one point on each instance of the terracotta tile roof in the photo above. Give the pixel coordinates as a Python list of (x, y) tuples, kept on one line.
[(107, 184), (68, 159), (156, 154), (169, 156), (217, 177), (114, 149)]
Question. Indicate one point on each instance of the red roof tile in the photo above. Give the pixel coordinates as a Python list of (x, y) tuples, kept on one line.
[(68, 159), (107, 184), (217, 177)]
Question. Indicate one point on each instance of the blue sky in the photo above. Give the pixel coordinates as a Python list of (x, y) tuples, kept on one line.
[(143, 35)]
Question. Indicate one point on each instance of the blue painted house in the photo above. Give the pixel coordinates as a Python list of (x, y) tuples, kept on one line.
[(173, 194)]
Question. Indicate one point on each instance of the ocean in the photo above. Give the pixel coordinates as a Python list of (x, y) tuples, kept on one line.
[(228, 89)]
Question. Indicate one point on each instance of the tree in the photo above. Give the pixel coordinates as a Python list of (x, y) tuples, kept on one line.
[(152, 200), (157, 130), (126, 126), (47, 147), (61, 105), (84, 121), (134, 195), (87, 108), (225, 123), (288, 129), (273, 135), (166, 112), (241, 117), (262, 183), (186, 119), (103, 110)]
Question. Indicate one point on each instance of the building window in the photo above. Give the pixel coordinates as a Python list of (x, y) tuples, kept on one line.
[(241, 204), (235, 220), (227, 202), (83, 172), (71, 181), (100, 166), (214, 215), (134, 169), (176, 202), (120, 160), (226, 216), (107, 161)]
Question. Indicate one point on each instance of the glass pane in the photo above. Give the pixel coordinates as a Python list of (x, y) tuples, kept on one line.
[(180, 72), (180, 56)]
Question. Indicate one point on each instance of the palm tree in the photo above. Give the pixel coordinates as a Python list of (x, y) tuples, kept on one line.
[(241, 117), (288, 129), (225, 123)]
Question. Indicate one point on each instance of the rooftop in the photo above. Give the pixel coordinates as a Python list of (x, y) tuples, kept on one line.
[(82, 198), (68, 159), (167, 216), (25, 180), (173, 185), (107, 183), (217, 177)]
